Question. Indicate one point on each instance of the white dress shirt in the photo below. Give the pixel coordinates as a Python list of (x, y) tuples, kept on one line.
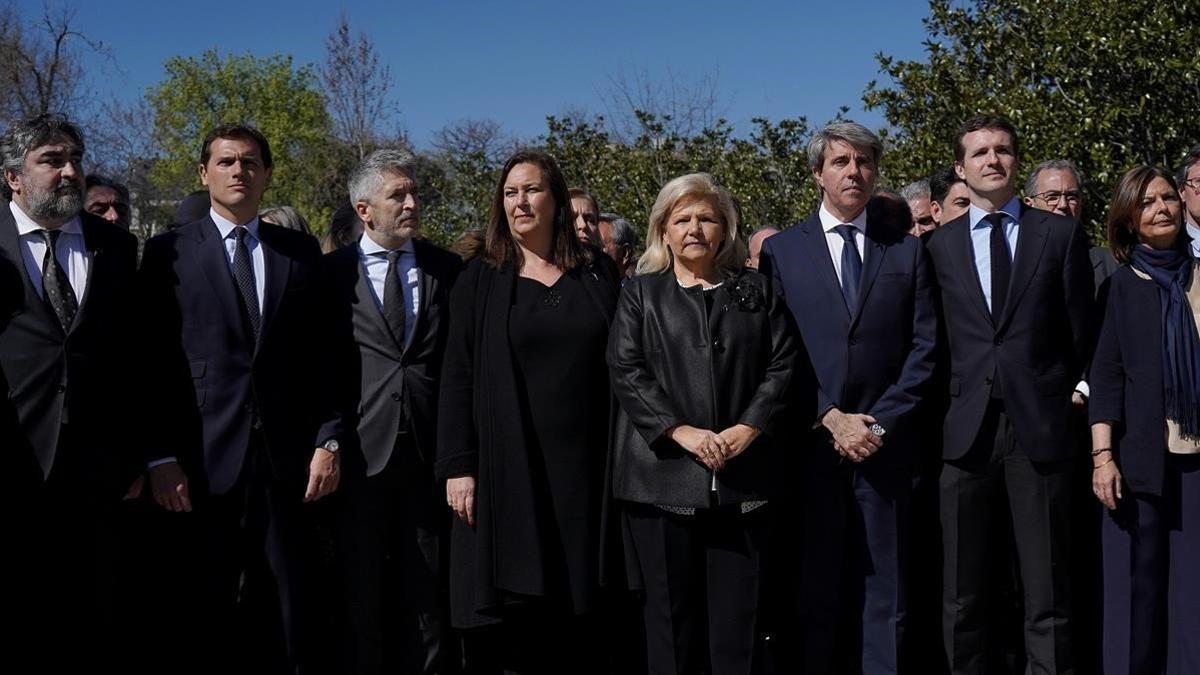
[(70, 251), (253, 246), (835, 240), (1194, 233), (373, 258)]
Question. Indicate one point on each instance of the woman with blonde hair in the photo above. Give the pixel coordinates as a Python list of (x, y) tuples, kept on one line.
[(702, 358)]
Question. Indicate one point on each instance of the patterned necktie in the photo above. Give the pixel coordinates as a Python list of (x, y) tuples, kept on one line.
[(56, 286), (243, 274), (393, 298), (851, 266), (1001, 264)]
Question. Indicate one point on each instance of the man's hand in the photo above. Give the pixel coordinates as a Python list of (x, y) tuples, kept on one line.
[(738, 437), (135, 488), (460, 495), (852, 437), (1077, 399), (169, 485), (708, 447), (324, 473)]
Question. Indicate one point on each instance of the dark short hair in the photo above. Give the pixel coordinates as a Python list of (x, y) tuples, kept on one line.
[(940, 183), (500, 247), (580, 193), (26, 134), (1189, 160), (243, 132), (978, 122), (96, 180), (1126, 207)]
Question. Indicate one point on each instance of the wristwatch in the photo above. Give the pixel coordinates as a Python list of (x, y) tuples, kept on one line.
[(331, 446), (877, 429)]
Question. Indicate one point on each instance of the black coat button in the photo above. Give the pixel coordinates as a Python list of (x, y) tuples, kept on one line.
[(395, 396)]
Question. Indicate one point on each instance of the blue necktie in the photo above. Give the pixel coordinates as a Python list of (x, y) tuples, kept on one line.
[(851, 267), (243, 275), (1001, 264)]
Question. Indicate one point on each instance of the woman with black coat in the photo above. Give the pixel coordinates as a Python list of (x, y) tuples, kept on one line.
[(701, 356), (523, 429), (1145, 414)]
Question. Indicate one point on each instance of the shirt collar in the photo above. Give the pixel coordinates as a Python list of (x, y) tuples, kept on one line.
[(1011, 208), (830, 221), (1193, 232), (225, 227), (26, 225), (369, 246)]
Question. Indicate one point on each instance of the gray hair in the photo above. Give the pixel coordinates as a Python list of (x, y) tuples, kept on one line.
[(850, 132), (1189, 160), (26, 134), (915, 190), (285, 216), (622, 232), (1051, 165), (368, 175)]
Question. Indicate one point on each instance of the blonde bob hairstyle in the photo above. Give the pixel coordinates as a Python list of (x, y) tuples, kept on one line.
[(732, 252)]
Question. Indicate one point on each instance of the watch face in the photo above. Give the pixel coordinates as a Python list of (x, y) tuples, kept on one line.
[(331, 446)]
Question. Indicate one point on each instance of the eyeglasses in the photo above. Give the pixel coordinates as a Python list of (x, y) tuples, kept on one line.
[(1193, 183), (1053, 197)]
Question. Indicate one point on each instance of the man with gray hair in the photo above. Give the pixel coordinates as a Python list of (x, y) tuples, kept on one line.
[(1057, 186), (917, 196), (395, 287), (1188, 179), (69, 366), (755, 243), (859, 290), (619, 240)]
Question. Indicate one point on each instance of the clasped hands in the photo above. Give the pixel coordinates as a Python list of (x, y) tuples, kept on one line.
[(851, 434), (710, 448)]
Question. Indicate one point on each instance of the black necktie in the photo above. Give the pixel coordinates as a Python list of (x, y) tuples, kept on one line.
[(851, 266), (243, 274), (1001, 264), (393, 298), (56, 286)]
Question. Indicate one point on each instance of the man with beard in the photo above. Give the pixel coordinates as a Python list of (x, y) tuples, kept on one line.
[(66, 355), (395, 287)]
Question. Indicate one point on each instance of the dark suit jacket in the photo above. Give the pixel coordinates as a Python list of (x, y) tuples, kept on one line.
[(211, 384), (1038, 348), (397, 384), (83, 376), (1127, 379), (878, 359), (1103, 265)]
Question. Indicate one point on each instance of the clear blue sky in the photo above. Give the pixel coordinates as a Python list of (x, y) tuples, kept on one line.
[(516, 62)]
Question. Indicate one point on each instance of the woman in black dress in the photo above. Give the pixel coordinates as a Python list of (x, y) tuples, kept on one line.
[(702, 359), (523, 428)]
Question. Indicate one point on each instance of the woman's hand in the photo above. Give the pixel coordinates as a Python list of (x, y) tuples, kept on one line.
[(708, 447), (739, 437), (460, 495), (1106, 479)]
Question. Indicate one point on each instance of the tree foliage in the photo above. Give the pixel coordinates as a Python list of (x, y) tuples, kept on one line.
[(1105, 83), (282, 100)]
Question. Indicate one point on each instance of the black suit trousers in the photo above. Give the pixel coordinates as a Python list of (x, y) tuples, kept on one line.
[(63, 554), (252, 556), (996, 481), (394, 534)]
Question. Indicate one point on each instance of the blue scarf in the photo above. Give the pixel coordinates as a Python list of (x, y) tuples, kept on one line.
[(1172, 270)]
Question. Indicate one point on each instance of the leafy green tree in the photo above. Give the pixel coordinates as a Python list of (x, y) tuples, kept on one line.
[(281, 100), (1105, 83)]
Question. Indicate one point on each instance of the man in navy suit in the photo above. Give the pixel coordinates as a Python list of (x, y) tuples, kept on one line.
[(1015, 290), (860, 292), (248, 415)]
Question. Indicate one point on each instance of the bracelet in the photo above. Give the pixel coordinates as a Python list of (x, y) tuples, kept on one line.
[(1097, 452), (1110, 459)]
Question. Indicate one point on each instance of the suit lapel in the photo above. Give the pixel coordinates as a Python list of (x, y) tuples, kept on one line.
[(278, 270), (365, 302), (425, 283), (214, 263), (11, 243), (813, 242), (873, 253), (1030, 243), (963, 256), (96, 269)]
